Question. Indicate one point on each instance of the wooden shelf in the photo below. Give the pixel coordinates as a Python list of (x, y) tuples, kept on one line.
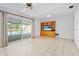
[(50, 33)]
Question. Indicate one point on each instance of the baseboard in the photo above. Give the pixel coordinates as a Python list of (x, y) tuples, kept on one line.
[(65, 38), (35, 36), (55, 37)]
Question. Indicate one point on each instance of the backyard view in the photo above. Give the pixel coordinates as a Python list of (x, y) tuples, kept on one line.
[(18, 29)]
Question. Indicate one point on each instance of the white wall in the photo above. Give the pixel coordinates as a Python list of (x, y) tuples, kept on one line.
[(76, 27), (0, 29), (64, 26), (37, 27)]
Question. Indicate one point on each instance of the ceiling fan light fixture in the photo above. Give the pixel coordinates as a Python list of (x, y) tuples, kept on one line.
[(29, 5)]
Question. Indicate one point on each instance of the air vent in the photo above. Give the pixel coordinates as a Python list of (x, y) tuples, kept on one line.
[(70, 7)]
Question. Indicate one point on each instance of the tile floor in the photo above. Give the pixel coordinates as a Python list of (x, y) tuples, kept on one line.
[(40, 46)]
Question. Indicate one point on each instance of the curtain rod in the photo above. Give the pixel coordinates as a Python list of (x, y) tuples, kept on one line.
[(17, 15)]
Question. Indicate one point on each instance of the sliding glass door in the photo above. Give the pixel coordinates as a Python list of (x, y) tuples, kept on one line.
[(14, 31), (18, 28), (26, 28)]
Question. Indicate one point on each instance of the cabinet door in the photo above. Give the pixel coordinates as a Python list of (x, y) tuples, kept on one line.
[(53, 33), (42, 33)]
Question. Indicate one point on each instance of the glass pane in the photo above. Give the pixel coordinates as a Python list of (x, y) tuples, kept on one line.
[(18, 28), (26, 28), (14, 28)]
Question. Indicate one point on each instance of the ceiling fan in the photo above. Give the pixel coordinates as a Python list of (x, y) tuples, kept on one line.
[(28, 6)]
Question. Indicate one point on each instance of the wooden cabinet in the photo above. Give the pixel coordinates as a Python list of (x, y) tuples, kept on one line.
[(50, 31)]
